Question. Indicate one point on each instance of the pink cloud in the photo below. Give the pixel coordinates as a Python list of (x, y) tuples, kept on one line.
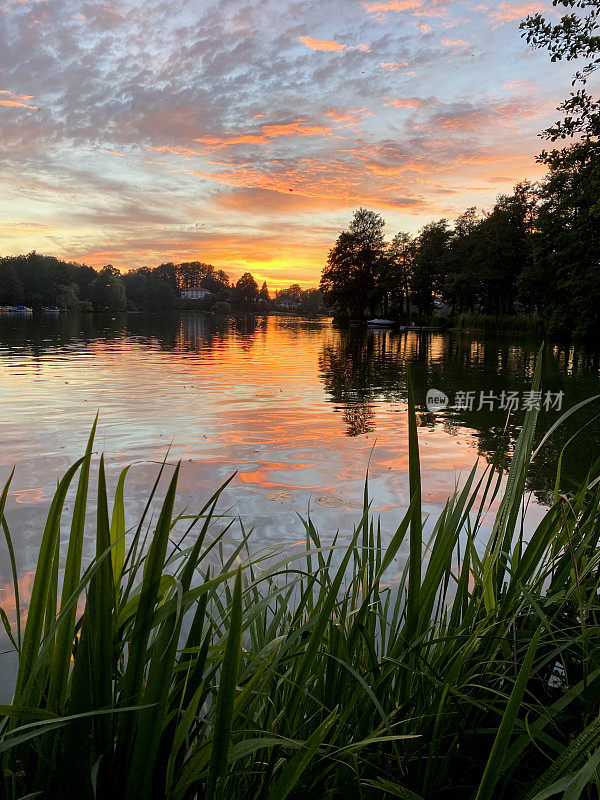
[(394, 66), (329, 46), (178, 151), (509, 12), (407, 102), (381, 8), (323, 45), (351, 116), (454, 43), (16, 100), (298, 127)]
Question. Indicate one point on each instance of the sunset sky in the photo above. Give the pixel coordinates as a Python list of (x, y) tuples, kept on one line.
[(245, 133)]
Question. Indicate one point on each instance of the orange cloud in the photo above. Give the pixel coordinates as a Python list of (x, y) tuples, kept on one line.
[(510, 13), (323, 45), (329, 46), (298, 127), (16, 100), (454, 43), (178, 151), (394, 66), (417, 8), (218, 142), (107, 152), (351, 117), (392, 5), (407, 102)]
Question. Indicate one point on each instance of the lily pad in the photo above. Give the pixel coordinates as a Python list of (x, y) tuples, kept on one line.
[(353, 504), (329, 501), (279, 494)]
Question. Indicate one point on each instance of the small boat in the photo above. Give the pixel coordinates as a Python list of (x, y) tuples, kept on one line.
[(381, 323)]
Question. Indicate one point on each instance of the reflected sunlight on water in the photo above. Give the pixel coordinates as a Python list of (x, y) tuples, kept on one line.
[(291, 404)]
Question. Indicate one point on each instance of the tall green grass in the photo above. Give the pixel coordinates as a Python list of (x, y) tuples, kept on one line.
[(515, 323), (173, 666)]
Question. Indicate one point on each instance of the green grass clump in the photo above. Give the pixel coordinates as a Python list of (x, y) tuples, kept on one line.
[(516, 323), (171, 667)]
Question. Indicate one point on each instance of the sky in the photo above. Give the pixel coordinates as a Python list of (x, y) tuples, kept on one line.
[(245, 134)]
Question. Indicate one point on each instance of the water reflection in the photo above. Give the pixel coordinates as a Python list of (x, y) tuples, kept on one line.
[(363, 369), (292, 404)]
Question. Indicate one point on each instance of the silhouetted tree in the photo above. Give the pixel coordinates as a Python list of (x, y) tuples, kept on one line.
[(428, 266), (246, 290), (147, 291), (350, 283), (264, 292), (401, 256), (68, 297), (108, 290)]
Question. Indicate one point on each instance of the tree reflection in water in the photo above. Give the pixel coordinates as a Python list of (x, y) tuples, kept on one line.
[(364, 369)]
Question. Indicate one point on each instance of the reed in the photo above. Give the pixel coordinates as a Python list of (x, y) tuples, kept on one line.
[(516, 323), (173, 666)]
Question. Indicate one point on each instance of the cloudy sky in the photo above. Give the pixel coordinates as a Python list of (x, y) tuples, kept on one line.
[(244, 133)]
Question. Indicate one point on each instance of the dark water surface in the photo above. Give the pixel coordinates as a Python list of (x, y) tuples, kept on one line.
[(295, 406)]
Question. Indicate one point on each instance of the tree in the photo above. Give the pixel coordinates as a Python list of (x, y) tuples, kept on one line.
[(169, 273), (108, 290), (68, 297), (401, 255), (311, 303), (246, 290), (11, 288), (565, 273), (462, 284), (191, 273), (147, 291), (575, 36), (505, 243), (293, 294), (350, 283), (564, 280), (429, 267), (264, 292)]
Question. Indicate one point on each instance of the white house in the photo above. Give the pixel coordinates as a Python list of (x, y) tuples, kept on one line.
[(195, 293)]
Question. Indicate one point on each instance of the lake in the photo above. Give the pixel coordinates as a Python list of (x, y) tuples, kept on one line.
[(295, 406)]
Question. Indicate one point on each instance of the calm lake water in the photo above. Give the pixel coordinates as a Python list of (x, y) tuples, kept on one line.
[(295, 406)]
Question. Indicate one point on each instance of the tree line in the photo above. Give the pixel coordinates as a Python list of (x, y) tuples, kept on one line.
[(39, 281), (536, 252)]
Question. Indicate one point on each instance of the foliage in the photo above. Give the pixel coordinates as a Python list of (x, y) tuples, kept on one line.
[(264, 292), (107, 290), (68, 297), (575, 36), (565, 272), (246, 290), (428, 264), (536, 252), (354, 264), (147, 291), (177, 664), (38, 280)]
